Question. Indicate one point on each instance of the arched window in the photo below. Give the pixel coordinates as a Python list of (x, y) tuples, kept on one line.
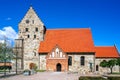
[(26, 29), (28, 36), (34, 36), (53, 54), (36, 29), (97, 68), (69, 60), (33, 21), (60, 54), (82, 60), (34, 53)]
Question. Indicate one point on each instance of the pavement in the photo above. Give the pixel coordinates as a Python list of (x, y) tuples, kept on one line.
[(45, 76)]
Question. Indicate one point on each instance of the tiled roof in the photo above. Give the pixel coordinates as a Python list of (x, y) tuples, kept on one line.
[(70, 40), (106, 52)]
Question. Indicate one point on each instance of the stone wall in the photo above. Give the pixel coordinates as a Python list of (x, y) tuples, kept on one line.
[(76, 66), (42, 61), (104, 70), (31, 30)]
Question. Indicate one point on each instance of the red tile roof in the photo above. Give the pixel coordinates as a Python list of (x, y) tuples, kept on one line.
[(106, 52), (70, 40)]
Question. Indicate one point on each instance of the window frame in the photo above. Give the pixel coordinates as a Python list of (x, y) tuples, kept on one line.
[(82, 60), (36, 29), (97, 68), (26, 29), (34, 36), (28, 36), (69, 60)]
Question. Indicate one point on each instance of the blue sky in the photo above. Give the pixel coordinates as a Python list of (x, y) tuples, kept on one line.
[(102, 16)]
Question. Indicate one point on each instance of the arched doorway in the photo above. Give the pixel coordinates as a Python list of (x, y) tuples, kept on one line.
[(31, 66), (58, 67)]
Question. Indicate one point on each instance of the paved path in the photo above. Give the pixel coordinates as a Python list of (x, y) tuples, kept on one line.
[(45, 76)]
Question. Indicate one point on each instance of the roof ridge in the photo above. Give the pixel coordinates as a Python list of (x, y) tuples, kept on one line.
[(104, 46), (67, 28)]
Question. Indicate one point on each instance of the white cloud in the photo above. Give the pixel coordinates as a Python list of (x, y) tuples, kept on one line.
[(1, 41), (9, 33), (8, 19)]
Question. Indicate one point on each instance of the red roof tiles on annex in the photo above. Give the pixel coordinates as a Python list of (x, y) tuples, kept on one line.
[(69, 40), (106, 52)]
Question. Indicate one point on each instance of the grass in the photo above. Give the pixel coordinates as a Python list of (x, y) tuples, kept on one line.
[(116, 73), (40, 70)]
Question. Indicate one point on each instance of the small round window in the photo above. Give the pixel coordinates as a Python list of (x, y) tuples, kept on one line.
[(27, 21)]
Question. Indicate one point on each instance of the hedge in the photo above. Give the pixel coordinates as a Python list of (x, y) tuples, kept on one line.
[(98, 78), (5, 67)]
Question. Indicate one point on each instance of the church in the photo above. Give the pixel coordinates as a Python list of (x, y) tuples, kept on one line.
[(60, 49)]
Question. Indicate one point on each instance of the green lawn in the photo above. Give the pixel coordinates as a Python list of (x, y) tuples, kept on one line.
[(115, 73)]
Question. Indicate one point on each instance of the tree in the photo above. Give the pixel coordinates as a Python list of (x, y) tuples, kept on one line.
[(5, 52), (110, 64), (6, 55), (2, 52), (103, 63), (118, 63)]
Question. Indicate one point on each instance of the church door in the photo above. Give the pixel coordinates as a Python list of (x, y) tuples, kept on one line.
[(58, 67)]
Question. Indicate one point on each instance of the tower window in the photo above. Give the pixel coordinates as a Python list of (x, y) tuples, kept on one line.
[(26, 29), (82, 60), (34, 36), (69, 60), (34, 53), (33, 21), (36, 29), (27, 21), (28, 36)]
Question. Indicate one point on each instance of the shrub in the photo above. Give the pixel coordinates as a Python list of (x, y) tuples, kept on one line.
[(26, 70), (40, 70), (5, 67)]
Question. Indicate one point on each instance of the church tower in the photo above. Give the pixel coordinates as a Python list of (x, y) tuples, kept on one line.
[(31, 30)]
